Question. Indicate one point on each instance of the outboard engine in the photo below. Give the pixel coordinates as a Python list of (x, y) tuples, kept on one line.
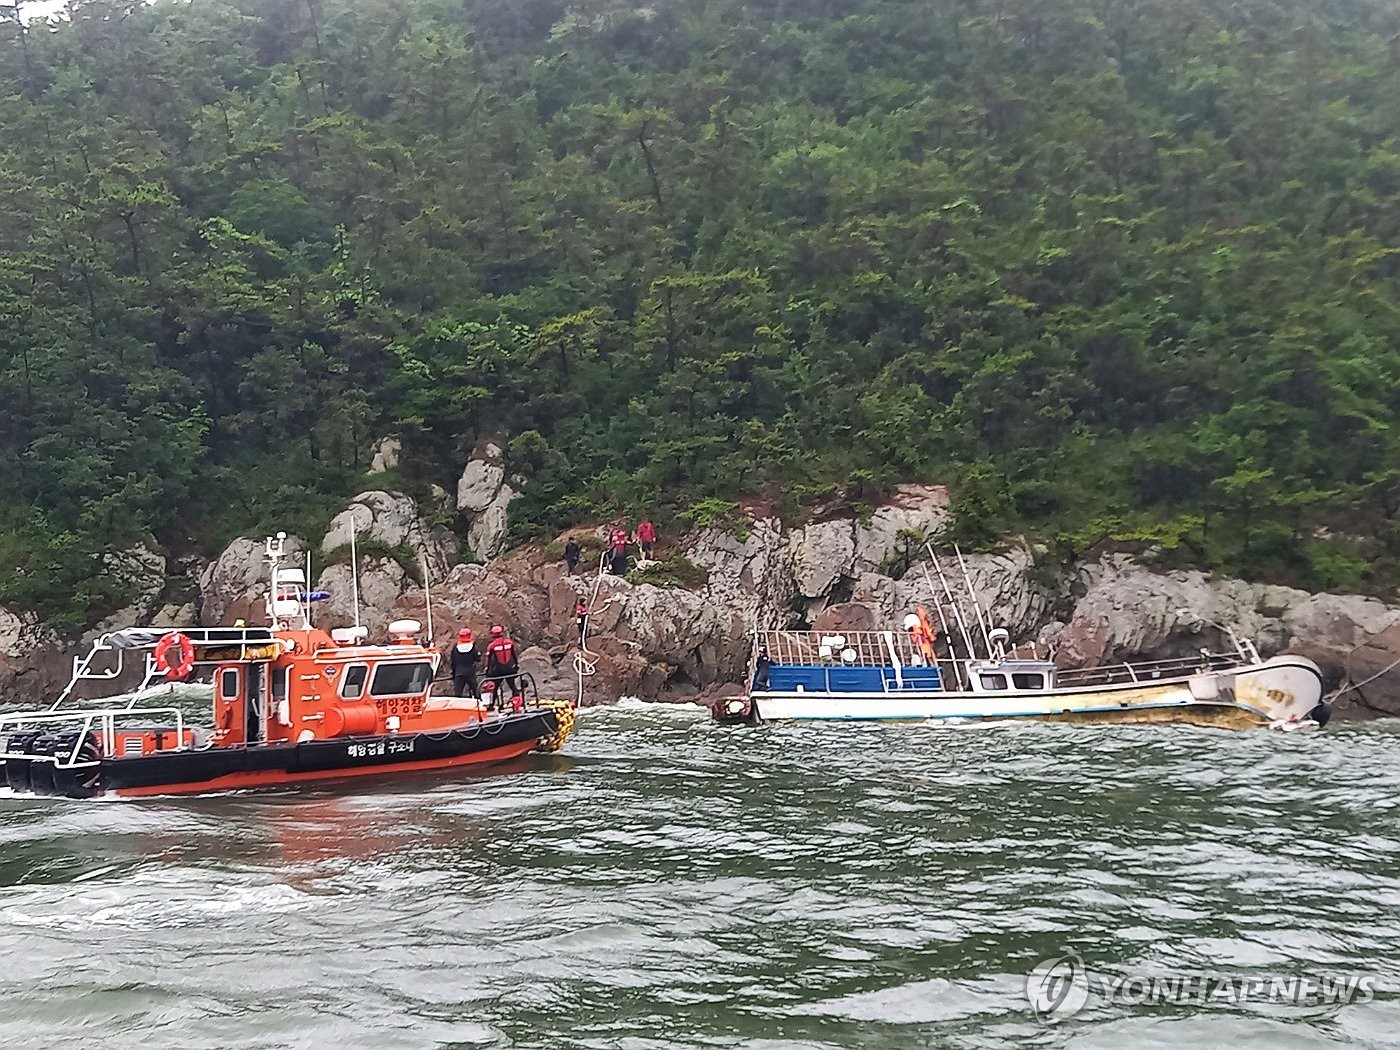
[(41, 772), (78, 781), (17, 769)]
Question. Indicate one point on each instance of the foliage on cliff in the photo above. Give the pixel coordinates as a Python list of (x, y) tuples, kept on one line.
[(1119, 269)]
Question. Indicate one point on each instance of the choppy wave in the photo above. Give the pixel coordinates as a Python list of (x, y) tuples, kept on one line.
[(668, 882)]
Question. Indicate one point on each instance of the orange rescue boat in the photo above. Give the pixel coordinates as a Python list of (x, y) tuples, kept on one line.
[(292, 704)]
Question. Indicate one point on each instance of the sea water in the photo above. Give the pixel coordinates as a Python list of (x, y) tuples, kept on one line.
[(667, 882)]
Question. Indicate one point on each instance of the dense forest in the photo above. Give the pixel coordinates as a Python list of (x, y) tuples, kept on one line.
[(1119, 271)]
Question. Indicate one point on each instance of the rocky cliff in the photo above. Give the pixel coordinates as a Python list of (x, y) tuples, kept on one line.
[(841, 573)]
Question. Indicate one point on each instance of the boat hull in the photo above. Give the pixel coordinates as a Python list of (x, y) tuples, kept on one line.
[(186, 772), (1283, 691)]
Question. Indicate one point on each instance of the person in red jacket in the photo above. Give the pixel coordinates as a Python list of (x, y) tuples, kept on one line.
[(617, 553), (503, 665), (646, 536)]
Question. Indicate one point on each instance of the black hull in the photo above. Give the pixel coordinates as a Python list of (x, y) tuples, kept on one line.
[(216, 769)]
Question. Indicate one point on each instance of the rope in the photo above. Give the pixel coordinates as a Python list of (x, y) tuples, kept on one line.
[(1357, 687), (584, 667)]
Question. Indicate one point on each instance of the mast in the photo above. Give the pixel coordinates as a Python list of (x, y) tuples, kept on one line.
[(976, 604), (427, 597), (954, 606), (274, 547), (938, 608), (354, 570)]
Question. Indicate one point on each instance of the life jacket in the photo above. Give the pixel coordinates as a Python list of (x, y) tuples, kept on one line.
[(646, 532), (501, 653), (925, 635)]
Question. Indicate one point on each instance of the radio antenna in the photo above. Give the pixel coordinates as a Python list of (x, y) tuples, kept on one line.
[(354, 569)]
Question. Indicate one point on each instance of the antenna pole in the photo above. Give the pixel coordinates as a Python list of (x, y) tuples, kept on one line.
[(306, 590), (976, 604), (427, 598), (354, 570), (275, 546)]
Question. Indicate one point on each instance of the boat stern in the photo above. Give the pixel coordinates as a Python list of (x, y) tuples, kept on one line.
[(734, 711)]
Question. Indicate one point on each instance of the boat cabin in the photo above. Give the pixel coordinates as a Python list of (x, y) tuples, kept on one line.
[(1016, 676)]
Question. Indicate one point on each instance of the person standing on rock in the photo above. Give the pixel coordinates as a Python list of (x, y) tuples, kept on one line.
[(465, 657), (572, 553), (617, 553), (503, 665), (581, 615), (646, 537)]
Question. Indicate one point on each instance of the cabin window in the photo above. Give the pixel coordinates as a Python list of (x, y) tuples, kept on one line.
[(353, 684), (228, 684), (280, 679), (994, 681), (401, 679), (1028, 681)]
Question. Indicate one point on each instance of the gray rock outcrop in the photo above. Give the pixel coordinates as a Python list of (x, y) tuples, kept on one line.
[(391, 519), (1127, 610), (143, 569), (34, 662), (382, 581), (234, 585), (484, 496), (386, 455), (828, 552), (750, 574)]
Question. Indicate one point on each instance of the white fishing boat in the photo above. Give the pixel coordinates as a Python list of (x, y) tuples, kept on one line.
[(951, 664)]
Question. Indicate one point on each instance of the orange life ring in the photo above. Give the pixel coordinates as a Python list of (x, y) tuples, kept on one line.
[(175, 667)]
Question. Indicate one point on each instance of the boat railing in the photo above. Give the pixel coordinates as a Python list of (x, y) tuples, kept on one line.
[(105, 660), (103, 721), (1148, 670), (840, 648), (895, 655)]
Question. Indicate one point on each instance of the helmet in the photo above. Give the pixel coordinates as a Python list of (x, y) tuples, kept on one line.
[(464, 635), (497, 630), (910, 622)]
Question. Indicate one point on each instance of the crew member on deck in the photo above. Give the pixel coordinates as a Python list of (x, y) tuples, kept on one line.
[(762, 662), (465, 657), (503, 664)]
